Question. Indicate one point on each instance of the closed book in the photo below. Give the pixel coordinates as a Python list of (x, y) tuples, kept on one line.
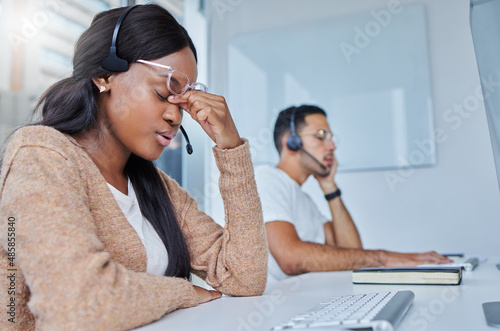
[(416, 275)]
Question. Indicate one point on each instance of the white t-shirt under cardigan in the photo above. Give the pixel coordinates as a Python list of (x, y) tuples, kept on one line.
[(155, 249)]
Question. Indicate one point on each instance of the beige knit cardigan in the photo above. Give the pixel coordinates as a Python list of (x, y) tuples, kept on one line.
[(79, 264)]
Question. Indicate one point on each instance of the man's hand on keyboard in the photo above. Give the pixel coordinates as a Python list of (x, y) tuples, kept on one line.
[(392, 259)]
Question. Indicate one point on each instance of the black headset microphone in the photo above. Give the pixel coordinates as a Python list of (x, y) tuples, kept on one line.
[(294, 143), (113, 63)]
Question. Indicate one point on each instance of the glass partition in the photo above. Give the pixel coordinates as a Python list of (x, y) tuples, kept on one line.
[(368, 70), (485, 28)]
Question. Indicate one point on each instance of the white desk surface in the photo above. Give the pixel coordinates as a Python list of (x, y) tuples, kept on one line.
[(436, 308)]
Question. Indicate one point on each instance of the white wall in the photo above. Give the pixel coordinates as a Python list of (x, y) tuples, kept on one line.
[(451, 207)]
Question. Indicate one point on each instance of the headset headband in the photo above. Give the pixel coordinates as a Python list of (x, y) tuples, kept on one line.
[(112, 62)]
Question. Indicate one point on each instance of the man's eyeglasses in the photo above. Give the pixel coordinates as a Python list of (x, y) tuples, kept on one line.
[(322, 135), (178, 82)]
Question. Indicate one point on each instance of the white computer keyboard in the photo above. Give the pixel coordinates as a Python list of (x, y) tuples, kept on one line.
[(467, 263), (379, 311)]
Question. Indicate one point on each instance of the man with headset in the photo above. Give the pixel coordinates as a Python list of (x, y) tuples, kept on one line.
[(300, 238)]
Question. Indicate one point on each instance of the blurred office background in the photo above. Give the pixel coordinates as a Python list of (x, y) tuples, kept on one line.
[(398, 78), (400, 83), (37, 43)]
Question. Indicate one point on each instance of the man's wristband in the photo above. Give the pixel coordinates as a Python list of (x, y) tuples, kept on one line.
[(333, 195)]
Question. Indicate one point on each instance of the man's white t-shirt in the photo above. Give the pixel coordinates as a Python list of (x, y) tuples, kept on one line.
[(282, 199)]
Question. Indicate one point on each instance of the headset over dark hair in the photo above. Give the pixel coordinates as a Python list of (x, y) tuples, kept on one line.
[(147, 32), (284, 124), (112, 62)]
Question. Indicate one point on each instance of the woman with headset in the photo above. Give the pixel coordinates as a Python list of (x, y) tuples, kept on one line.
[(93, 236)]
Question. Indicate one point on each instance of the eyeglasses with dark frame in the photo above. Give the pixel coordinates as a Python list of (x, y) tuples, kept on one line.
[(178, 82)]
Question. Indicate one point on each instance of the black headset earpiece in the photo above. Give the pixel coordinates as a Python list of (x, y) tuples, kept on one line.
[(112, 62), (294, 143)]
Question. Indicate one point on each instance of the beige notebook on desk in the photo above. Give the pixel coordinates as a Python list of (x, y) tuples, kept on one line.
[(416, 276)]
